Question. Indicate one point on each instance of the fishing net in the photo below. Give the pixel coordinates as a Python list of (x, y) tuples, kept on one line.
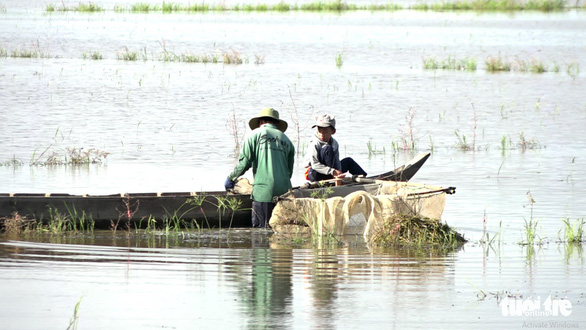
[(359, 209)]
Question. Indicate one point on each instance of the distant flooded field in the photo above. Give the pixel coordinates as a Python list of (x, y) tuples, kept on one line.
[(160, 99)]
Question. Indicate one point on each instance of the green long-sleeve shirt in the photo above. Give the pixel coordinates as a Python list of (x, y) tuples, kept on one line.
[(271, 155)]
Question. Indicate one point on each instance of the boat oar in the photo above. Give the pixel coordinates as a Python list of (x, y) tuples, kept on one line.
[(448, 190)]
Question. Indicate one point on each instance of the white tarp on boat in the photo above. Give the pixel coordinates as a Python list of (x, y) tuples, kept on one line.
[(359, 209)]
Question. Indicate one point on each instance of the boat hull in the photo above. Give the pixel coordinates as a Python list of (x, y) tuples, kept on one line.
[(209, 209)]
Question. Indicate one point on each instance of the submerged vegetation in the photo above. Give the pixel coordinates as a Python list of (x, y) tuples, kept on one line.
[(404, 229), (320, 6)]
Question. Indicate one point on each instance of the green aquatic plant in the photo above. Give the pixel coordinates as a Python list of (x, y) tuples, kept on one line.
[(494, 64), (573, 69), (143, 7), (322, 193), (339, 60), (221, 206), (234, 204), (527, 144), (462, 144), (573, 233), (530, 232), (127, 55), (232, 57), (431, 63), (81, 7), (175, 220), (79, 221), (71, 156), (73, 322), (372, 149), (383, 7), (132, 55), (336, 5), (79, 156), (537, 66), (88, 8), (34, 52), (13, 162), (198, 201), (94, 55), (449, 63), (469, 64), (169, 7), (408, 229)]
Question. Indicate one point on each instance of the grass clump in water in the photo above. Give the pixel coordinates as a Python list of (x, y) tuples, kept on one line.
[(15, 224), (72, 156), (406, 229), (14, 162), (573, 233), (70, 221), (450, 63), (232, 57), (494, 64), (339, 60), (92, 56), (88, 8)]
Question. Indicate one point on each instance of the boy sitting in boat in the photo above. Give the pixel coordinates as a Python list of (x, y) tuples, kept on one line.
[(323, 157)]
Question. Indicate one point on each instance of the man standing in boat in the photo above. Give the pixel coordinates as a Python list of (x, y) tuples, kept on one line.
[(271, 155), (323, 155)]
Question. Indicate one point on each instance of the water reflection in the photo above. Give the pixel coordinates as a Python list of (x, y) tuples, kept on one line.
[(245, 278), (266, 293)]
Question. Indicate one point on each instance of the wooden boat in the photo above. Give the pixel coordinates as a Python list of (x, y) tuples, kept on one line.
[(209, 209)]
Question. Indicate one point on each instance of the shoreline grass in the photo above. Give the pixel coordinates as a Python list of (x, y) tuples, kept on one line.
[(324, 6)]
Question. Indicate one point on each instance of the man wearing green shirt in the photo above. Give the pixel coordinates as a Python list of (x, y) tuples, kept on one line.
[(271, 155)]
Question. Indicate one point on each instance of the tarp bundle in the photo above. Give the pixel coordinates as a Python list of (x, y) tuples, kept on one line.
[(355, 209)]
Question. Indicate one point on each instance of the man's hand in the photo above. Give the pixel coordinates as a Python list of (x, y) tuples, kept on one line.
[(228, 184), (337, 174)]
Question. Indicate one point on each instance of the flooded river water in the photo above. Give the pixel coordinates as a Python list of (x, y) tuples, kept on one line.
[(166, 127)]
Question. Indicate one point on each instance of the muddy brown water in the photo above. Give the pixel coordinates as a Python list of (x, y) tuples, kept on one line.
[(165, 127)]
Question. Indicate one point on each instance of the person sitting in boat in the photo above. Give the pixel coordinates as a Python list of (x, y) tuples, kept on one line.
[(271, 155), (323, 157)]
